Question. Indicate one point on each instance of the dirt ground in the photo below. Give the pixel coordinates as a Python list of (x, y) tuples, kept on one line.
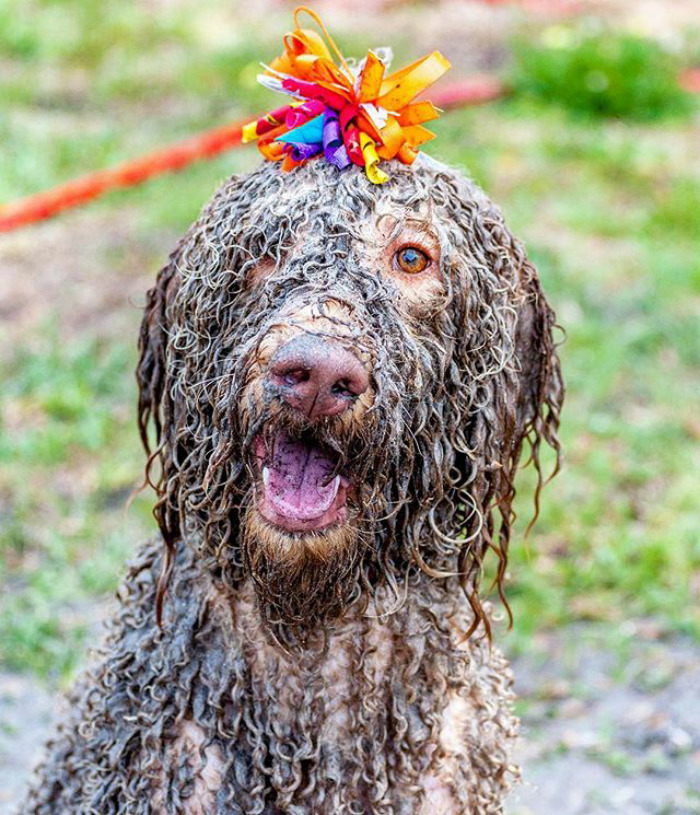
[(608, 728), (85, 291)]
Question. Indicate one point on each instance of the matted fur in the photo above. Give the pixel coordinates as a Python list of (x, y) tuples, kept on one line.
[(351, 676)]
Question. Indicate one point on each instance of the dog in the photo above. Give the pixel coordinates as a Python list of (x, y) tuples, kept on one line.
[(337, 382)]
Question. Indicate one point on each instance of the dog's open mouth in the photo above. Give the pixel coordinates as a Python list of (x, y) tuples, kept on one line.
[(299, 491)]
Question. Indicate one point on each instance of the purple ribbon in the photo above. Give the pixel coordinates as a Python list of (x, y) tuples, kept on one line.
[(300, 151), (333, 147)]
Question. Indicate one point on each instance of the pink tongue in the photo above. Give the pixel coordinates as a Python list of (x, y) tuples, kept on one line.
[(297, 480)]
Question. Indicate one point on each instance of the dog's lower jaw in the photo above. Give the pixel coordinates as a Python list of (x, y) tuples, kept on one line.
[(302, 580)]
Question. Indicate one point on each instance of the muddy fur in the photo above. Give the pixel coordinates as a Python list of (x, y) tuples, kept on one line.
[(345, 672)]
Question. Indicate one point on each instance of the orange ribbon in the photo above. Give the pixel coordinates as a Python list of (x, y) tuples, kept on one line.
[(399, 89)]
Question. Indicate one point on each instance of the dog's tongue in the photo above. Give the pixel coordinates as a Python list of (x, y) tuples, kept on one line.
[(296, 480)]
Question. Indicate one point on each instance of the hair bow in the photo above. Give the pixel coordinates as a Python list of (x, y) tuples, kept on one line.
[(350, 114)]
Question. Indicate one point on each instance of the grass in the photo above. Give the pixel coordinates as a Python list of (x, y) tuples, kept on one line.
[(609, 212), (594, 72), (68, 459)]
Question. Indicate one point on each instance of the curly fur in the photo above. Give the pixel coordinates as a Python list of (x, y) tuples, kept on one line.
[(353, 682)]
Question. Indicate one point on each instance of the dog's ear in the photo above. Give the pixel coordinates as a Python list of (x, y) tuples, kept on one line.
[(155, 409), (541, 387), (150, 371), (509, 390), (530, 415)]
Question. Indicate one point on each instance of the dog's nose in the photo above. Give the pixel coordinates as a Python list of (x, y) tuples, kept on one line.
[(317, 377)]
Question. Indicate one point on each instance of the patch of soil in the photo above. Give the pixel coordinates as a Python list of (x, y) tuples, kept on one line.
[(87, 271), (609, 727), (26, 713)]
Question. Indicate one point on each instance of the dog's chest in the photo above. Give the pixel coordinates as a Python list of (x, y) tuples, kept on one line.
[(391, 719), (355, 671), (379, 698)]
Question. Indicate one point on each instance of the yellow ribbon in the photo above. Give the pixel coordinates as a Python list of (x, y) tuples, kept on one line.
[(248, 132), (369, 153)]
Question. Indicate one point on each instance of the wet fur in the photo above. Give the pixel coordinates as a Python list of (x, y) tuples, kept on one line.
[(352, 675)]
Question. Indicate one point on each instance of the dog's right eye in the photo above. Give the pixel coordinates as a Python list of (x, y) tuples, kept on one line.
[(412, 260)]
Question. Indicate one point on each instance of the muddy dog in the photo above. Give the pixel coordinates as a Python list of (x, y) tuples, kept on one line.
[(337, 381)]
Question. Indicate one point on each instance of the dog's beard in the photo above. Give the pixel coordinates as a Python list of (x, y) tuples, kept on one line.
[(302, 581)]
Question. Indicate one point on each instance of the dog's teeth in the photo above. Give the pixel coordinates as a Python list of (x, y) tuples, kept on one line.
[(336, 484), (266, 475)]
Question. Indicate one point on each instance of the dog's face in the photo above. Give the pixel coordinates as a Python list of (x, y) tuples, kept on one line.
[(341, 377)]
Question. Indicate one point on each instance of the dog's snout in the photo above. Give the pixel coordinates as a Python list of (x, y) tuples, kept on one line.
[(317, 377)]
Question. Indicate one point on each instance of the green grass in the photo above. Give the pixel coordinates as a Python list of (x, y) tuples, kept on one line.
[(594, 72), (609, 212), (69, 459)]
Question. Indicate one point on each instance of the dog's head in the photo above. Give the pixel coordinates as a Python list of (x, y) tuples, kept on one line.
[(341, 378)]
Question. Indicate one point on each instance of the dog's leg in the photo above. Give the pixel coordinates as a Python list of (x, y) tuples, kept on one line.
[(472, 770)]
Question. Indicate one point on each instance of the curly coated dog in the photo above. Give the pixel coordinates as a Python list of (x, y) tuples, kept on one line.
[(337, 381)]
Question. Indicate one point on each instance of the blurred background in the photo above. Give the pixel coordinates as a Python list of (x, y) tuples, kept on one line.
[(594, 155)]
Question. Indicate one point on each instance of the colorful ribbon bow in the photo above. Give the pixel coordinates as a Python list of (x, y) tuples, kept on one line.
[(350, 115)]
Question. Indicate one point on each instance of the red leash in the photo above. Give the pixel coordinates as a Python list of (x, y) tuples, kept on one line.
[(473, 91), (81, 190)]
